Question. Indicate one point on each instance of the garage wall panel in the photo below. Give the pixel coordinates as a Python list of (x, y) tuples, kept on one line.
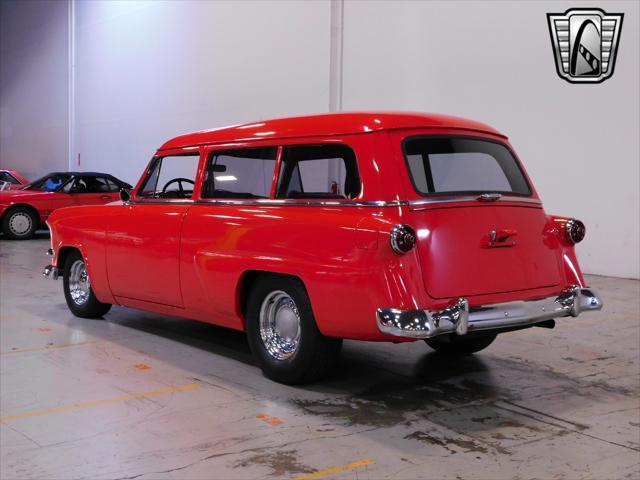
[(147, 71), (492, 61), (34, 86)]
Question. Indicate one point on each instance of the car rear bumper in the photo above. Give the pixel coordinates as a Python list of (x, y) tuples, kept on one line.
[(459, 318)]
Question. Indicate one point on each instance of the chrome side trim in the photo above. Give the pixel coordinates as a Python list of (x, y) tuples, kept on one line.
[(459, 318), (329, 203), (51, 272), (433, 200)]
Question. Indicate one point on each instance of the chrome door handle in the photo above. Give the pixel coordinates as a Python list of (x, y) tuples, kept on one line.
[(105, 197)]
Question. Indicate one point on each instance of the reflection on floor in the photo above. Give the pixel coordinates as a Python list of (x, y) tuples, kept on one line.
[(142, 396)]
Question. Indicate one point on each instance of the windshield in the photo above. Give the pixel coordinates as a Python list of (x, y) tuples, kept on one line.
[(50, 183), (449, 164)]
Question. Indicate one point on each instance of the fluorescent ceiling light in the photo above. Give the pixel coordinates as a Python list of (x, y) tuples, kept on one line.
[(225, 178)]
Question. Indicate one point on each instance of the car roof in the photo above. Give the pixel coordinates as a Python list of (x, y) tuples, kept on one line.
[(327, 124)]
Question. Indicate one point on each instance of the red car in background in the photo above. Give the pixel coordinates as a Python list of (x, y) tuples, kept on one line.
[(23, 211), (11, 180)]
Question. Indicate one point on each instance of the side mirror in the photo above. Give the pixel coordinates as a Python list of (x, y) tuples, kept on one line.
[(125, 195)]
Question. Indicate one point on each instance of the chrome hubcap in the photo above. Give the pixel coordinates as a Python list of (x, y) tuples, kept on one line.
[(79, 284), (279, 325), (20, 223)]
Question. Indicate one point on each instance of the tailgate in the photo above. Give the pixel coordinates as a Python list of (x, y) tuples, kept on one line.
[(462, 256)]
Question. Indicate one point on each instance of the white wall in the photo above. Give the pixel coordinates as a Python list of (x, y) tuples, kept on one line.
[(492, 61), (148, 71), (33, 86)]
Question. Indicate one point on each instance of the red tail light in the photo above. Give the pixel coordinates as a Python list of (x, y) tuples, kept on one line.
[(574, 230)]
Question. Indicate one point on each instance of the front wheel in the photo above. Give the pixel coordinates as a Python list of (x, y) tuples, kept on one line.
[(453, 344), (20, 223), (283, 334), (77, 289)]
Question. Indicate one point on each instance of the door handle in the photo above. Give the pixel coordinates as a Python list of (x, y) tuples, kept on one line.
[(105, 197)]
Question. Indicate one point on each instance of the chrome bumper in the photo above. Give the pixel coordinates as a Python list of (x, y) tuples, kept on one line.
[(51, 272), (459, 318)]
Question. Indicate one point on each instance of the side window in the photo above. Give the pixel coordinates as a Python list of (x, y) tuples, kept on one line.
[(318, 171), (241, 173), (172, 176), (69, 186), (96, 185)]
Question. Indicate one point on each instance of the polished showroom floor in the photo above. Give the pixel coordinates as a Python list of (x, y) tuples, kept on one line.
[(137, 395)]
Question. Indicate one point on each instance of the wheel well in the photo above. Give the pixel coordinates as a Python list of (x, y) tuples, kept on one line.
[(64, 253), (22, 205), (248, 280)]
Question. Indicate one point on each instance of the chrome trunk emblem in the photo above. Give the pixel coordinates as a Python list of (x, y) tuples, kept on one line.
[(585, 43)]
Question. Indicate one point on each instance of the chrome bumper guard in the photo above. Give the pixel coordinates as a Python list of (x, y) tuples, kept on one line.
[(51, 272), (459, 318)]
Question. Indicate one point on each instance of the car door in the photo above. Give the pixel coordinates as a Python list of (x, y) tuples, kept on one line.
[(143, 240), (92, 190)]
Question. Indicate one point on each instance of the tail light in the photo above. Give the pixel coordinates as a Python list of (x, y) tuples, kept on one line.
[(402, 238), (574, 230)]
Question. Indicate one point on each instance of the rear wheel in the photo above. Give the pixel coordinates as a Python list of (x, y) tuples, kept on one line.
[(453, 344), (283, 334), (20, 223), (77, 289)]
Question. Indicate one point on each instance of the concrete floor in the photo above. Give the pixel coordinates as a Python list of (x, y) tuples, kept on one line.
[(143, 396)]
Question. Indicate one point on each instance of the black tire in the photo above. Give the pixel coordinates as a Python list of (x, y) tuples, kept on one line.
[(453, 344), (87, 306), (20, 223), (315, 354)]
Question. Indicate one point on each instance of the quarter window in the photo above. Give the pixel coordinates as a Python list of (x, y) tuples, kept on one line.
[(241, 173), (318, 171)]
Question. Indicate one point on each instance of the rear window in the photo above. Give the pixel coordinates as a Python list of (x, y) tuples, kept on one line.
[(463, 165)]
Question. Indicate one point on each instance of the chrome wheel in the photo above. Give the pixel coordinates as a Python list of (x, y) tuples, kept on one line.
[(20, 223), (279, 325), (79, 284)]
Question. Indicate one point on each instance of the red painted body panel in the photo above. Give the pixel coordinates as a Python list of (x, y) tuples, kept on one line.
[(190, 258), (46, 202)]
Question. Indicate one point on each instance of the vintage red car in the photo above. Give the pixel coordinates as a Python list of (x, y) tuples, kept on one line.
[(306, 231), (11, 180), (23, 211)]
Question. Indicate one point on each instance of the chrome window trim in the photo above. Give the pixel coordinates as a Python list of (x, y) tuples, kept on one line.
[(332, 203)]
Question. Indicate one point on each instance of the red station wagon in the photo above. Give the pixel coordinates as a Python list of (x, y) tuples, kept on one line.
[(306, 231)]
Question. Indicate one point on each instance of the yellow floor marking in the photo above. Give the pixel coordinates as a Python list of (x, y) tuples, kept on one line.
[(95, 403), (49, 347), (331, 471)]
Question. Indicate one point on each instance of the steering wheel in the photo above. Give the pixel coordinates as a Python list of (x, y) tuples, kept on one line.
[(179, 181)]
